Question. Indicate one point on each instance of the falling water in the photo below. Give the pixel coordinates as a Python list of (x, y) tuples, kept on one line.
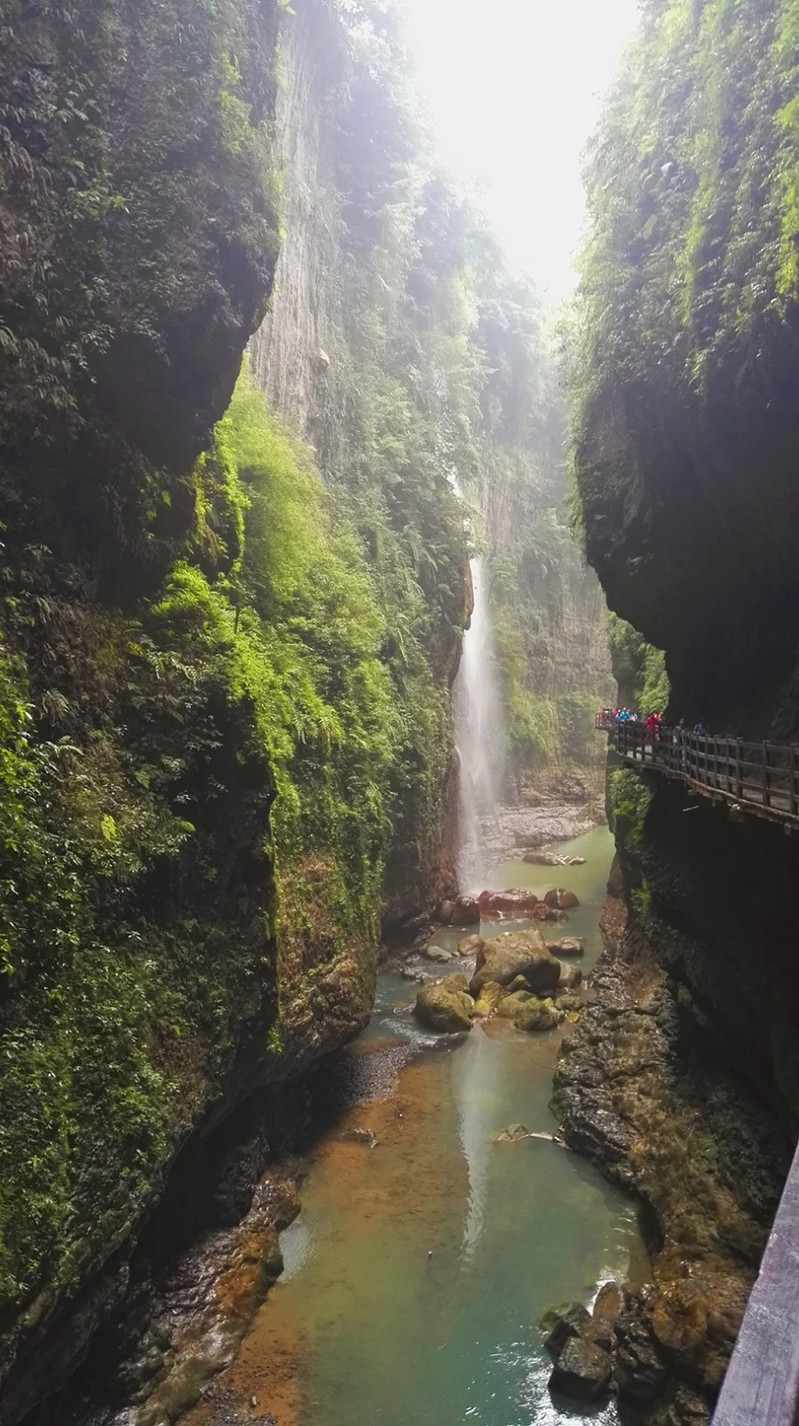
[(478, 738)]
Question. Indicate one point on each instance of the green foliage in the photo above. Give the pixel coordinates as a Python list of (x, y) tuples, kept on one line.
[(124, 829), (639, 669), (628, 801), (130, 178), (693, 197)]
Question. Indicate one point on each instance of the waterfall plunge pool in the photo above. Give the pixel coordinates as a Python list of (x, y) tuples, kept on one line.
[(419, 1268)]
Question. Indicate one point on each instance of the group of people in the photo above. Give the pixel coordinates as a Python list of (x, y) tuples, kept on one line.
[(621, 715), (653, 722)]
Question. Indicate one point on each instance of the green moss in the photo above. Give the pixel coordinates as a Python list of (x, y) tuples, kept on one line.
[(639, 669), (628, 803), (149, 907)]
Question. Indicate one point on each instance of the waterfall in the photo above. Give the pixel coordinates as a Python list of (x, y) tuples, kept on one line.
[(479, 739)]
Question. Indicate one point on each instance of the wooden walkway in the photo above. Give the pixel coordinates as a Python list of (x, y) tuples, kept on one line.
[(761, 778)]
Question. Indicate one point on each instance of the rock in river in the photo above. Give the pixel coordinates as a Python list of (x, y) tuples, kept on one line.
[(445, 1007), (437, 953), (512, 905), (470, 945), (570, 1319), (567, 946), (537, 1015), (463, 912), (517, 953), (488, 1000), (560, 899), (582, 1369), (570, 978)]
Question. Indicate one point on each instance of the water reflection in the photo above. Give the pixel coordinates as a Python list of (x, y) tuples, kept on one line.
[(474, 1076)]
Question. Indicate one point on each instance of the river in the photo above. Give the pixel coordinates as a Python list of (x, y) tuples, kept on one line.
[(425, 1253)]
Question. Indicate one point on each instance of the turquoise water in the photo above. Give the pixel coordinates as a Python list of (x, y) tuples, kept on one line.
[(419, 1267)]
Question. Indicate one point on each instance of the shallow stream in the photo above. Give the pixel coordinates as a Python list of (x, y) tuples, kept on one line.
[(419, 1267)]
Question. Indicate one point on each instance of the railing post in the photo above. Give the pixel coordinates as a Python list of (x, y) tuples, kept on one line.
[(739, 777), (792, 790), (766, 788)]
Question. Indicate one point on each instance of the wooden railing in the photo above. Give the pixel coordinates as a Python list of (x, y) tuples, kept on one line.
[(761, 1387), (755, 777)]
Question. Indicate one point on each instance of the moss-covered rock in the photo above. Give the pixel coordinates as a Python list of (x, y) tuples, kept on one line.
[(537, 1015), (445, 1008)]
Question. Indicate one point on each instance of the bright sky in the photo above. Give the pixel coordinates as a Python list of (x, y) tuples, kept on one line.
[(514, 88)]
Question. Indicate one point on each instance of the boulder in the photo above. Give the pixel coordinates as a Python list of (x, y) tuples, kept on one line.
[(517, 953), (470, 945), (467, 912), (570, 978), (511, 905), (437, 953), (444, 1008), (567, 946), (582, 1370), (605, 1311), (537, 1015), (559, 899), (640, 1370), (509, 1005), (512, 1135), (488, 1000), (569, 1002), (463, 912), (456, 983), (518, 983), (560, 1323)]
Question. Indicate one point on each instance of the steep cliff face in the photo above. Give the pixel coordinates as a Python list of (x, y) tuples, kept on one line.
[(368, 350), (548, 611), (688, 434), (153, 699), (687, 444)]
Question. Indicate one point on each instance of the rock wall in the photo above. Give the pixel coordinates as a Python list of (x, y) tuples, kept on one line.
[(148, 982), (686, 443), (354, 358)]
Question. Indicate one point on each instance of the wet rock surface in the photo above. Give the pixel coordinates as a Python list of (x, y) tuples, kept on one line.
[(177, 1333), (582, 1370), (516, 953), (567, 946), (445, 1007), (642, 1100), (551, 807)]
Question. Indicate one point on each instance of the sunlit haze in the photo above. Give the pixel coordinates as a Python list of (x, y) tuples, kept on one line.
[(513, 88)]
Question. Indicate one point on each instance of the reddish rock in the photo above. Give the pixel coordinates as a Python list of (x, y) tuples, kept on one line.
[(467, 912), (560, 899), (463, 912), (542, 912), (509, 905)]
